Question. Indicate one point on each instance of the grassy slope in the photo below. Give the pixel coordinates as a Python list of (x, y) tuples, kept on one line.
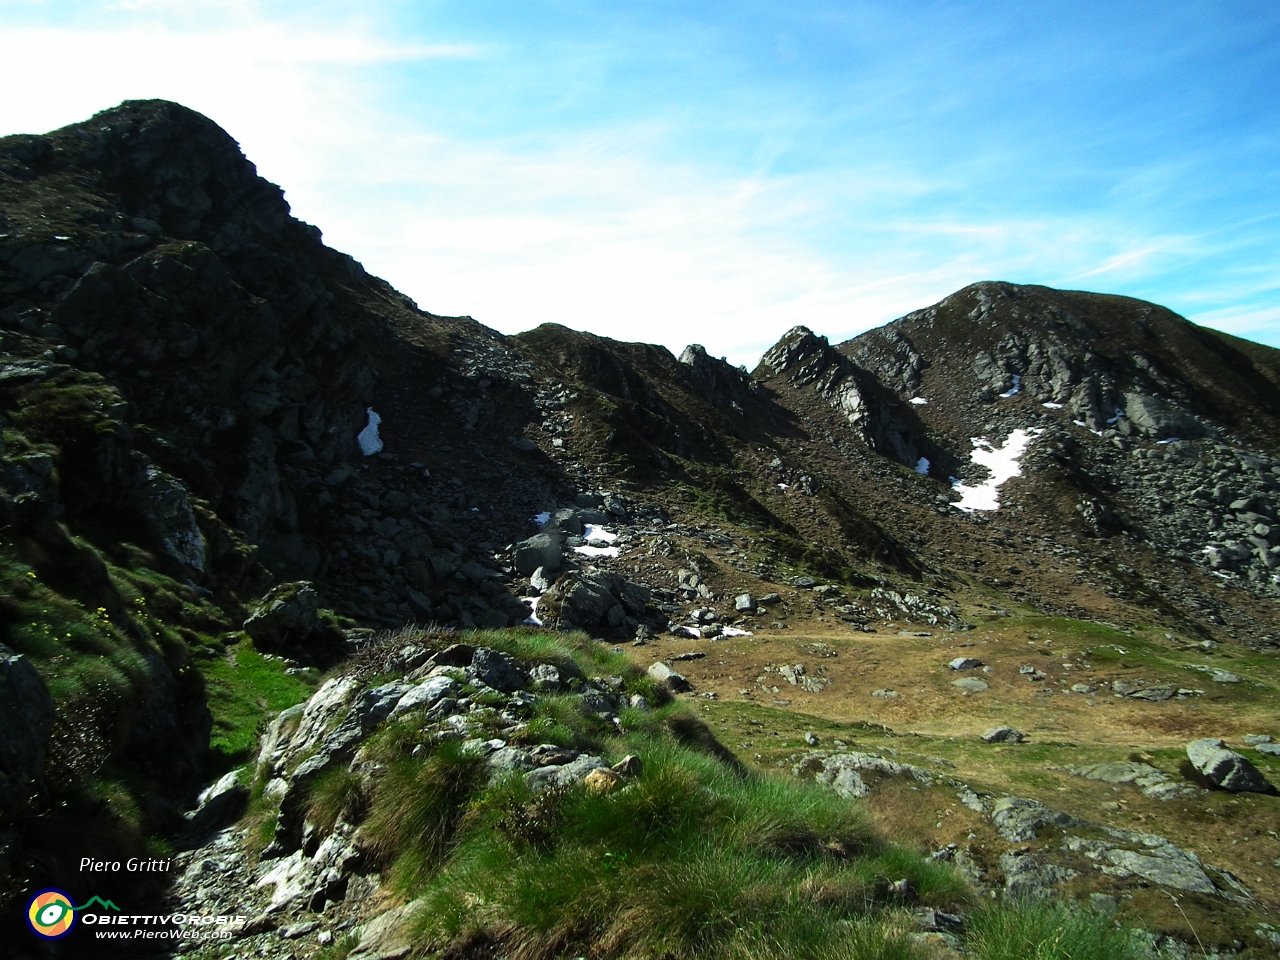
[(695, 857)]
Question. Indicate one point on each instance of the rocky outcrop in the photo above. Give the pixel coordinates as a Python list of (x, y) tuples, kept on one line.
[(599, 601), (26, 720)]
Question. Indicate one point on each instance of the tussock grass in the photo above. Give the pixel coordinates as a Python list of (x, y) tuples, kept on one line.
[(1048, 931), (690, 860), (417, 808), (337, 794)]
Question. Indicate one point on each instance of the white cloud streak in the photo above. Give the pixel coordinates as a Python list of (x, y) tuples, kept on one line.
[(599, 230)]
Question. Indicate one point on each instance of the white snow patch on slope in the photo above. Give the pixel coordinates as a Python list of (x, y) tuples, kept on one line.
[(922, 465), (735, 632), (532, 620), (590, 551), (1052, 406), (370, 442), (1003, 463), (918, 401), (1017, 385), (594, 534), (542, 518)]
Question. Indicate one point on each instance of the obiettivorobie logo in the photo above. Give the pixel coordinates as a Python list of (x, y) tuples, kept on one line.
[(51, 915)]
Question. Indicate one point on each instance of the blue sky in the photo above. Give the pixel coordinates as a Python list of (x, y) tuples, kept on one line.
[(718, 172)]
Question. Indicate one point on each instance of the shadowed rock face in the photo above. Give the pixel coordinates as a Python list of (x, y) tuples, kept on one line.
[(26, 719)]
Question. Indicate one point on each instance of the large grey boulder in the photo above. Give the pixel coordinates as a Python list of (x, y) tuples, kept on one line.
[(600, 601), (1226, 768), (287, 613), (498, 670), (540, 550), (673, 681), (1004, 734), (1161, 419), (26, 720), (426, 694)]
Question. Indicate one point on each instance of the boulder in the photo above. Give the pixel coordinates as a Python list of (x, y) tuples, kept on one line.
[(498, 670), (565, 775), (26, 721), (599, 601), (287, 613), (1004, 735), (1226, 768), (970, 684), (545, 677), (964, 663), (540, 550), (426, 694), (673, 681), (743, 603)]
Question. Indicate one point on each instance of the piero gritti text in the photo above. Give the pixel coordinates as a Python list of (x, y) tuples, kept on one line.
[(132, 865)]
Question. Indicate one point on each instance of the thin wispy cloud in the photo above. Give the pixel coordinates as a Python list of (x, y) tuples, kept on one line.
[(713, 178)]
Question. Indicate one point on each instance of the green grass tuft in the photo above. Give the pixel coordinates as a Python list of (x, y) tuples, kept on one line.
[(1046, 930)]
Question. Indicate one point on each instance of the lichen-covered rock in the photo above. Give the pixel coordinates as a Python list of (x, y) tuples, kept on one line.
[(599, 601), (287, 613), (1017, 818), (1226, 768)]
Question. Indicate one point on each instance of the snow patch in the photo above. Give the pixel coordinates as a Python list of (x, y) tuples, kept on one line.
[(735, 632), (918, 401), (1017, 385), (782, 486), (1003, 463), (590, 551), (1051, 405), (542, 518), (370, 442), (532, 620), (593, 534), (922, 465)]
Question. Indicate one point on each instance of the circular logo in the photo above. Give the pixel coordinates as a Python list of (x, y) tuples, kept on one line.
[(51, 914)]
